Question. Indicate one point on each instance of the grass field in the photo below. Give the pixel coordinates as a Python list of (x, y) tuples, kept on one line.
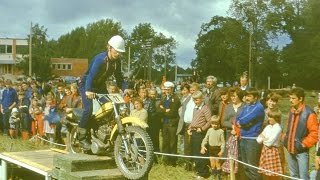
[(159, 171)]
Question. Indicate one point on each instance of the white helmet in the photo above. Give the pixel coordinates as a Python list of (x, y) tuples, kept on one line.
[(117, 43)]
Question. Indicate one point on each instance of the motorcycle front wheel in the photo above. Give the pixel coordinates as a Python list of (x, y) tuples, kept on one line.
[(137, 162)]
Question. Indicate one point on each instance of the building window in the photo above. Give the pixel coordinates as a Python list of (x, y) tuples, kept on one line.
[(2, 49), (63, 66), (9, 49)]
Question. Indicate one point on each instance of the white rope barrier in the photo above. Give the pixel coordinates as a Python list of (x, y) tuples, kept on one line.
[(265, 170), (37, 136), (222, 158), (195, 157), (252, 138)]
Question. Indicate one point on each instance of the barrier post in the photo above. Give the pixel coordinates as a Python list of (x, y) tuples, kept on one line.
[(3, 170), (232, 175)]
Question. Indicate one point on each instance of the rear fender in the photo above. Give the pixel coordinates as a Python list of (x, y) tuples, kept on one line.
[(131, 121)]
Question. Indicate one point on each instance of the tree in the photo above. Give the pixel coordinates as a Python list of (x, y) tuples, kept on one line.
[(86, 42), (300, 21), (40, 54), (222, 49), (152, 52)]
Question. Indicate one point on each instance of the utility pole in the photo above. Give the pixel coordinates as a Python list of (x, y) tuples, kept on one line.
[(165, 61), (176, 73), (129, 61), (250, 52), (30, 51), (149, 55)]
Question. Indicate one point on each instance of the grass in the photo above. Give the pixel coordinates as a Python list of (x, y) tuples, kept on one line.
[(159, 171)]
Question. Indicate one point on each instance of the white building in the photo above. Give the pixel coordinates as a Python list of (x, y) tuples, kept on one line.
[(11, 51)]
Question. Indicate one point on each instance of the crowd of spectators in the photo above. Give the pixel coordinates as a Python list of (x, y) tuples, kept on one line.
[(206, 121)]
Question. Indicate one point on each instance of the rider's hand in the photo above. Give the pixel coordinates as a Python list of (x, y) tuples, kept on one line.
[(90, 95)]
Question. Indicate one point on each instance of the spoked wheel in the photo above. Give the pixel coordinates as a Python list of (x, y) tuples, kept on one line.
[(74, 144), (137, 162)]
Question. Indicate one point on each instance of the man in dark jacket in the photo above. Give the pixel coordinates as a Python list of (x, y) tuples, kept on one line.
[(169, 107), (103, 67), (211, 94), (9, 101)]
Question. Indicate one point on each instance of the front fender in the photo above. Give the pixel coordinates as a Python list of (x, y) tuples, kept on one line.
[(133, 121)]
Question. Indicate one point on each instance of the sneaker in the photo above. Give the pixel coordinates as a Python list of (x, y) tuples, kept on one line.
[(199, 177)]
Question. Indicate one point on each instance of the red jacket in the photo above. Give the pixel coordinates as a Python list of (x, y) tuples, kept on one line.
[(302, 130)]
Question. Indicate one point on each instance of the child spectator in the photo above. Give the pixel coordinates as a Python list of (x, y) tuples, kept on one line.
[(232, 147), (51, 117), (23, 105), (270, 155), (14, 121), (37, 116), (215, 139)]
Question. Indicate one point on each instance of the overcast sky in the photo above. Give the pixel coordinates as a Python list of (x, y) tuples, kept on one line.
[(180, 19)]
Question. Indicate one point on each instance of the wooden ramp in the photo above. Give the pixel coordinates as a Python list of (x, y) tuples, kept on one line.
[(55, 164), (40, 161)]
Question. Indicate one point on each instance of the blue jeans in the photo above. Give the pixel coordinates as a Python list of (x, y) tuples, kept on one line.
[(5, 120), (250, 153), (298, 165), (87, 108)]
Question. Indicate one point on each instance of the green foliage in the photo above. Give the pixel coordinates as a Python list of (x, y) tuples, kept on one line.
[(301, 57), (86, 42), (223, 43), (222, 48), (40, 54), (148, 46)]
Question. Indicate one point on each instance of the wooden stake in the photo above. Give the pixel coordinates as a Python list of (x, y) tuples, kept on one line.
[(232, 175)]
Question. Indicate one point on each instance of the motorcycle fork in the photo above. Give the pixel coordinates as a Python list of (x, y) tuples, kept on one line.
[(121, 130)]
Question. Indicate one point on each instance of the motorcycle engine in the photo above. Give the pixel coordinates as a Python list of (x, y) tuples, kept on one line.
[(100, 141), (104, 132)]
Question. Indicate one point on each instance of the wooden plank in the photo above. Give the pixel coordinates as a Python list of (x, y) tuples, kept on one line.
[(42, 159)]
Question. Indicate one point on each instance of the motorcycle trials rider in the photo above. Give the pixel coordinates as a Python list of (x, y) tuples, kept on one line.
[(103, 67)]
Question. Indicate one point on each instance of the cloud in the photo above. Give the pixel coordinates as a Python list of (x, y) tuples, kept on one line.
[(177, 18)]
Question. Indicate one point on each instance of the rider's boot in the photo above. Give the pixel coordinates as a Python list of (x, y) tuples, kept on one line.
[(82, 137)]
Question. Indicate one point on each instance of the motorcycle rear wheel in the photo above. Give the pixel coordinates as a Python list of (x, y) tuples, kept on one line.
[(138, 162), (74, 144)]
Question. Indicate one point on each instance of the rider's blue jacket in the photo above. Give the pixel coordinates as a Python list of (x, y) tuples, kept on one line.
[(100, 71)]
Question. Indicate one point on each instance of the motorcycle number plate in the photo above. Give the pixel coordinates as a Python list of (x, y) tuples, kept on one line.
[(117, 98)]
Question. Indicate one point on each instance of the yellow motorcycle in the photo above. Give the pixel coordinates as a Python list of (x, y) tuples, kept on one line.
[(114, 130)]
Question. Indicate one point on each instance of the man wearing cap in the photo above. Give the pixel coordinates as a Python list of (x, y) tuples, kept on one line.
[(169, 106), (103, 66)]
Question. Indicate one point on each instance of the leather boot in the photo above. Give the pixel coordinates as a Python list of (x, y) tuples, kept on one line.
[(82, 137)]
